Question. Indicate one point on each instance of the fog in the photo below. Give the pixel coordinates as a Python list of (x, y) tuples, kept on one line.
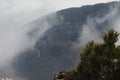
[(91, 33), (15, 14)]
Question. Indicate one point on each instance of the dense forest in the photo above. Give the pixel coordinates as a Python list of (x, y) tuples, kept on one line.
[(98, 61)]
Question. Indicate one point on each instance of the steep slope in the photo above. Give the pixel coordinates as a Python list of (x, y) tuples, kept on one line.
[(57, 49)]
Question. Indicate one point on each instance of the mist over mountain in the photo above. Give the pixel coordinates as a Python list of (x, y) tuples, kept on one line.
[(64, 32)]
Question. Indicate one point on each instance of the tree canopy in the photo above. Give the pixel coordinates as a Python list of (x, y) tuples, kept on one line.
[(98, 61)]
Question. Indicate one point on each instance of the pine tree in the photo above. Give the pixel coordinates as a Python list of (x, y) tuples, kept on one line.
[(100, 61)]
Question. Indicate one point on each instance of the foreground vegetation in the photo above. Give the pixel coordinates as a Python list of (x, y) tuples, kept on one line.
[(98, 61)]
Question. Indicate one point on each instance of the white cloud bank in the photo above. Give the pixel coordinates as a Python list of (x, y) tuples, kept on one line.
[(16, 13)]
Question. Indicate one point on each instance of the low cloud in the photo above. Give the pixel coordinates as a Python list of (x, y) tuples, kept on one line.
[(90, 30), (16, 14)]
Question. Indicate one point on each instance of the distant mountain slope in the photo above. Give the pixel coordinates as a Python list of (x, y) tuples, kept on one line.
[(56, 50)]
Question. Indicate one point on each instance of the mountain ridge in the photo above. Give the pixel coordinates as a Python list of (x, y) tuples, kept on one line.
[(55, 50)]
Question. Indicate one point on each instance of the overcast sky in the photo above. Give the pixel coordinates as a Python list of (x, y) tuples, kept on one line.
[(23, 6), (25, 9)]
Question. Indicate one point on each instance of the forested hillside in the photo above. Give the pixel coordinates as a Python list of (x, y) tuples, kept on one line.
[(58, 49)]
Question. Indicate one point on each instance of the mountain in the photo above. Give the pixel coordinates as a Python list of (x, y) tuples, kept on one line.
[(58, 48)]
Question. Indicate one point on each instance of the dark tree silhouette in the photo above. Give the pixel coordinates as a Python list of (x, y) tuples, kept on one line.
[(98, 61)]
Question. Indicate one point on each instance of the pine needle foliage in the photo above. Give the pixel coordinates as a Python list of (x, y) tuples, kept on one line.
[(98, 61)]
